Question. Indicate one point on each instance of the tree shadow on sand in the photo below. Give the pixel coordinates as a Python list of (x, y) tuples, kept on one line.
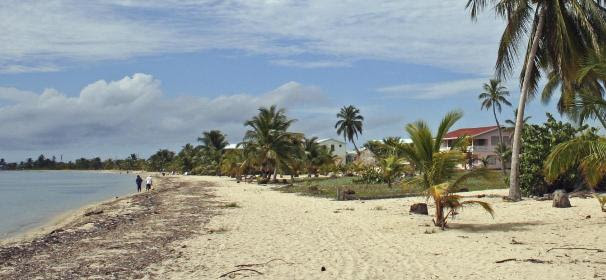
[(501, 227)]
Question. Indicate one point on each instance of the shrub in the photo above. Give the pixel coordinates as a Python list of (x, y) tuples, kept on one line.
[(370, 175), (537, 143)]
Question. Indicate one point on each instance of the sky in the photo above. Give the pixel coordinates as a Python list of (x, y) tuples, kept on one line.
[(112, 77)]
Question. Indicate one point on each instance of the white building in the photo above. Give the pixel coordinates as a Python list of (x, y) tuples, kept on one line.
[(338, 148)]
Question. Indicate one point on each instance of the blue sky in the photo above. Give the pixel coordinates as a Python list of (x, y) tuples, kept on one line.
[(114, 77)]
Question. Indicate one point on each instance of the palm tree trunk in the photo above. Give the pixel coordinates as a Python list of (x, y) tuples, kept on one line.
[(439, 222), (514, 176), (494, 112), (355, 147)]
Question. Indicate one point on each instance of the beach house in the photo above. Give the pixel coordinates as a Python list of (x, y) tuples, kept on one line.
[(338, 148), (484, 141)]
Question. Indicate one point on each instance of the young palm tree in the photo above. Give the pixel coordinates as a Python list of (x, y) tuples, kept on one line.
[(494, 96), (560, 32), (267, 144), (437, 167), (392, 167), (588, 152), (316, 156), (349, 124)]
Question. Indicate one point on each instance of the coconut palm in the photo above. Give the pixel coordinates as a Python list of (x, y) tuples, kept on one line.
[(233, 163), (391, 168), (316, 156), (420, 153), (560, 32), (436, 167), (349, 124), (267, 144), (213, 139), (493, 97), (588, 152)]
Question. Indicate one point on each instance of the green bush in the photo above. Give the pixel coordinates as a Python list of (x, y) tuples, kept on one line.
[(537, 143), (370, 175)]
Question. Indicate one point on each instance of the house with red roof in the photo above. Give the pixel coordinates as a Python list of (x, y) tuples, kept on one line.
[(484, 141)]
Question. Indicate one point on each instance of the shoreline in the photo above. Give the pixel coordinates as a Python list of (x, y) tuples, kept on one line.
[(96, 241), (58, 220)]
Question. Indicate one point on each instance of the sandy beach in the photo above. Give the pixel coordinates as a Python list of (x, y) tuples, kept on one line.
[(296, 236), (184, 231)]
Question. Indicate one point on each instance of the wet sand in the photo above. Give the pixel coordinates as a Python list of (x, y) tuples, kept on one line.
[(116, 239)]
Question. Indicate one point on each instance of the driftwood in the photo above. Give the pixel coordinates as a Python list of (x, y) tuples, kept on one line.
[(260, 264), (241, 269), (577, 248), (523, 260)]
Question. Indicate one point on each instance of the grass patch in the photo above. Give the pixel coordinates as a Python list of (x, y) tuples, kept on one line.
[(327, 187), (378, 208)]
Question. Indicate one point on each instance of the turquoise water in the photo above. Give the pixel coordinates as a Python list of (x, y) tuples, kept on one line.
[(31, 198)]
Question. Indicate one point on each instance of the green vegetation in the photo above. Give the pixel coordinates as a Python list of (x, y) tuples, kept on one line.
[(539, 140), (494, 97), (560, 33), (349, 124), (327, 187)]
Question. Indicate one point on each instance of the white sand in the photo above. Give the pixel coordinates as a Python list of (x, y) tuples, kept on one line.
[(365, 243)]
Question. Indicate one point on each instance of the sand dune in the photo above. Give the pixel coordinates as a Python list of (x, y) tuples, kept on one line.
[(381, 240)]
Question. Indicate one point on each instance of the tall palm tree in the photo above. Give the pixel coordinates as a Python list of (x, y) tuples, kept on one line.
[(349, 124), (214, 139), (494, 96), (267, 144), (436, 167), (560, 32)]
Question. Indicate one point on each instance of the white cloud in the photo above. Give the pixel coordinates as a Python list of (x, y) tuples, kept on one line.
[(434, 90), (311, 64), (430, 32), (133, 112)]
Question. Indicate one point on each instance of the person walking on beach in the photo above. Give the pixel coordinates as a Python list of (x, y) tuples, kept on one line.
[(139, 180), (148, 183)]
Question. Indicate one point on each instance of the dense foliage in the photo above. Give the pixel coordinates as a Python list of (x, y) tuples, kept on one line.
[(538, 141)]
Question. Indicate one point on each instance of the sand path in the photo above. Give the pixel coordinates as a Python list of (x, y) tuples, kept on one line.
[(380, 240)]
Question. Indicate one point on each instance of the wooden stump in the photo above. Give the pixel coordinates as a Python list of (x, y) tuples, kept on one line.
[(560, 199), (419, 208)]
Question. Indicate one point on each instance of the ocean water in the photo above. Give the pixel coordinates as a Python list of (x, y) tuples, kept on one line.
[(31, 198)]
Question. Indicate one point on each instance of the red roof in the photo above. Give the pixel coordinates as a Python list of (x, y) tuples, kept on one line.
[(470, 131)]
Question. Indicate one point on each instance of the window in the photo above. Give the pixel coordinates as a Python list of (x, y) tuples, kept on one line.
[(479, 142), (339, 145), (332, 147)]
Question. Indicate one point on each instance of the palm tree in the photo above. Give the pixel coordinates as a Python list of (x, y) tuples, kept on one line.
[(588, 152), (392, 167), (420, 153), (267, 144), (512, 123), (349, 124), (494, 96), (213, 139), (436, 167), (560, 32), (315, 156)]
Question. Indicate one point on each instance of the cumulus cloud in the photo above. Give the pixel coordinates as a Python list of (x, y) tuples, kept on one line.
[(44, 35), (133, 111)]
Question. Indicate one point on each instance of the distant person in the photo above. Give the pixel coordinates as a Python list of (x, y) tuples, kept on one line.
[(148, 183), (139, 180)]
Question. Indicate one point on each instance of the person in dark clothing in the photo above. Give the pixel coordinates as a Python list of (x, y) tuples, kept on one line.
[(139, 180)]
